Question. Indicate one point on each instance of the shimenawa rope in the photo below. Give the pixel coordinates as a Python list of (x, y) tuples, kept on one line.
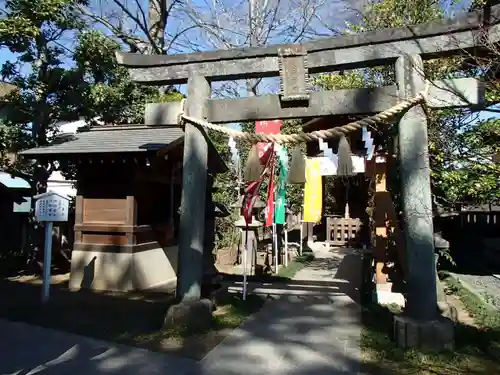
[(370, 121)]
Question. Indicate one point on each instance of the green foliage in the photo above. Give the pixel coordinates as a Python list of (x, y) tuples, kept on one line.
[(106, 90), (460, 148), (347, 80), (28, 25), (33, 31), (486, 317), (58, 83), (226, 194), (398, 13)]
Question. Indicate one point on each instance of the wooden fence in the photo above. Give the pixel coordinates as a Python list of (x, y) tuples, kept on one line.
[(341, 231), (472, 223)]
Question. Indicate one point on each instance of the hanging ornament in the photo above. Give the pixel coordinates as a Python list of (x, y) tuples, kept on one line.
[(345, 167), (253, 167), (297, 173)]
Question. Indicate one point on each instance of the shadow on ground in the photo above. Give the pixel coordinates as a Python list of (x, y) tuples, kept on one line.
[(474, 351), (313, 328), (78, 312), (293, 334)]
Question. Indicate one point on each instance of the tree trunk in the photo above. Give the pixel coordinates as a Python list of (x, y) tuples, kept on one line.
[(157, 23)]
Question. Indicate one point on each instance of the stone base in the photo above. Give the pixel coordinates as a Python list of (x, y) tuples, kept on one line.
[(193, 315), (153, 269), (433, 335)]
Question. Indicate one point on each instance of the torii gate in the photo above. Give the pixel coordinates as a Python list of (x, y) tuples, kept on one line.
[(405, 47)]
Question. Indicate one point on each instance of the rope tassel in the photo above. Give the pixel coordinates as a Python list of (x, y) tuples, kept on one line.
[(297, 173), (344, 153), (253, 167)]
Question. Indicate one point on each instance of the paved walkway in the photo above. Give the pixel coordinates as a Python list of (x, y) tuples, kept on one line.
[(311, 329)]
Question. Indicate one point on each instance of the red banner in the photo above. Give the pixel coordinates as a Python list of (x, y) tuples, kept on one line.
[(266, 127), (252, 190), (251, 195)]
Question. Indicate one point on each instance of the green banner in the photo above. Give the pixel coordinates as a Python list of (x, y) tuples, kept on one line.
[(280, 202)]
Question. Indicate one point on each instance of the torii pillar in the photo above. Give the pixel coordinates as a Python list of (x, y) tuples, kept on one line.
[(192, 309), (421, 325)]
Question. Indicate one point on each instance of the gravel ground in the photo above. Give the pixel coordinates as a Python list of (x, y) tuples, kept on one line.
[(486, 286)]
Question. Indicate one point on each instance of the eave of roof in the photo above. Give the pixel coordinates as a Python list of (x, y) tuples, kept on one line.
[(123, 139), (13, 182), (10, 194), (110, 139)]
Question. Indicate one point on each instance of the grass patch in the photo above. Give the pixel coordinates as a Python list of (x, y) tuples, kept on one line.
[(185, 341), (296, 265), (486, 317), (473, 345), (228, 315), (128, 318)]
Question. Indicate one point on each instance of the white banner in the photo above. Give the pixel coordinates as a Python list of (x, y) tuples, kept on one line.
[(329, 165)]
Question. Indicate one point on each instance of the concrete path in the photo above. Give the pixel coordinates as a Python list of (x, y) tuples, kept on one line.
[(313, 327), (313, 332), (29, 350)]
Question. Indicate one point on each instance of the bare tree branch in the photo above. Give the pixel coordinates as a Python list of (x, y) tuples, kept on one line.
[(133, 42), (142, 30)]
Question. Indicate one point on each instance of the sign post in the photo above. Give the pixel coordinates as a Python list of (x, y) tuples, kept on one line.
[(47, 261), (50, 207)]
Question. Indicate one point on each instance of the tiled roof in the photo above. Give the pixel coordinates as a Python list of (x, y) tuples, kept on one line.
[(131, 138)]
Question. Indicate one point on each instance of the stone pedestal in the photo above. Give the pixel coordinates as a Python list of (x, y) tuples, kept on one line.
[(433, 335)]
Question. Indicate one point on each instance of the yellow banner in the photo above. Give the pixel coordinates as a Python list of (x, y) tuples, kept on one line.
[(313, 193)]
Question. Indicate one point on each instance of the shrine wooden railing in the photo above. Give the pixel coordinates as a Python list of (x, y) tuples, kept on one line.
[(342, 231)]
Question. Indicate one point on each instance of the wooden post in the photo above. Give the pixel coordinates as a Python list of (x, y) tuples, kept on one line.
[(379, 216), (416, 194), (131, 207), (194, 179), (47, 261), (310, 233), (78, 218)]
